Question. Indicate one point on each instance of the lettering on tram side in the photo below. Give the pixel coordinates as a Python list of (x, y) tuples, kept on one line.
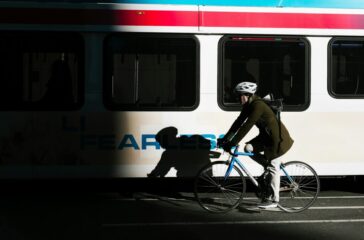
[(126, 141)]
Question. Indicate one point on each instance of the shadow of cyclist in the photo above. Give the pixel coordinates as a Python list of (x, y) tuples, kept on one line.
[(186, 154)]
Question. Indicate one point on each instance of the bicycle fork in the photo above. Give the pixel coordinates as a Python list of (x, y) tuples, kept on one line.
[(230, 168)]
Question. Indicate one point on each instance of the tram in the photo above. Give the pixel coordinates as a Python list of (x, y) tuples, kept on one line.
[(94, 89)]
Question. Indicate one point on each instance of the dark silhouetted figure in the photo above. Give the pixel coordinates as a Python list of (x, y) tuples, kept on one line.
[(187, 154), (60, 83)]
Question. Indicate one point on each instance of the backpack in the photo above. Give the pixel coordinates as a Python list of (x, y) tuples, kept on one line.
[(277, 106)]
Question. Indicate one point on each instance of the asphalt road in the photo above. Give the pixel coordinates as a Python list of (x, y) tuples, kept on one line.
[(335, 215)]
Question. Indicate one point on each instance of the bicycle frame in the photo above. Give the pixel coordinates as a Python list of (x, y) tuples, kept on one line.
[(299, 188), (234, 160)]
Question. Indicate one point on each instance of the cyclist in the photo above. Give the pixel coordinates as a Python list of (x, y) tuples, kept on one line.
[(273, 140)]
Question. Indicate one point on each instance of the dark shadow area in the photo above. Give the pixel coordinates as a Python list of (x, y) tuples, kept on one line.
[(90, 209), (342, 183), (59, 86), (127, 186), (41, 71), (109, 217), (186, 154)]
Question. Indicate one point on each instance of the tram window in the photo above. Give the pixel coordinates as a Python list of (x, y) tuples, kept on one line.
[(41, 71), (150, 72), (346, 72), (278, 65)]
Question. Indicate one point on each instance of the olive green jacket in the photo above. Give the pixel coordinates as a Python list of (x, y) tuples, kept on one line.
[(277, 141)]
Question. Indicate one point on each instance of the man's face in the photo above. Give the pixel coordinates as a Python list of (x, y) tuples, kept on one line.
[(244, 99)]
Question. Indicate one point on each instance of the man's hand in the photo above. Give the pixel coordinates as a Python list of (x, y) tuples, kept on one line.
[(220, 142), (224, 144), (227, 146)]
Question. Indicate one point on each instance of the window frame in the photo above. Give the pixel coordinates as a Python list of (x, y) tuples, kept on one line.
[(107, 84), (286, 108), (329, 68), (32, 36)]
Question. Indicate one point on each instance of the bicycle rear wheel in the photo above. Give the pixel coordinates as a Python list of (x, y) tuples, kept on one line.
[(215, 193), (299, 188)]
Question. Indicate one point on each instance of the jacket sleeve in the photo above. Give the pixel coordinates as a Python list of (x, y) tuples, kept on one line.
[(236, 125), (253, 113)]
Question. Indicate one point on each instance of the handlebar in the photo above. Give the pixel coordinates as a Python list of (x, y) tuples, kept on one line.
[(234, 152)]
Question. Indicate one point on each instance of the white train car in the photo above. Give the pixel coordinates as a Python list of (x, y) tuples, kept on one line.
[(86, 86)]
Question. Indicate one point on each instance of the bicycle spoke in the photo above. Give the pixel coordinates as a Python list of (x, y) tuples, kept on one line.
[(209, 179), (305, 193), (212, 189), (232, 191), (235, 184), (308, 187), (228, 191), (309, 183), (302, 192), (227, 197)]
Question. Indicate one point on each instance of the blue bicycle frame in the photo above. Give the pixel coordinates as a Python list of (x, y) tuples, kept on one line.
[(234, 160)]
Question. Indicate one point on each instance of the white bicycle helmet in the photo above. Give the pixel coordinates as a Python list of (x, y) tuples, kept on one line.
[(246, 87)]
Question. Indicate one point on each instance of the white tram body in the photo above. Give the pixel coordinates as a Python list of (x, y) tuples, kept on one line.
[(124, 90)]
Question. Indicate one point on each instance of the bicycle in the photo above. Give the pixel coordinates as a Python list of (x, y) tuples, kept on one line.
[(221, 186)]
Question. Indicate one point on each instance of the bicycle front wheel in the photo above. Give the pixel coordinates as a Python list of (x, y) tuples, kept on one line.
[(299, 188), (218, 194)]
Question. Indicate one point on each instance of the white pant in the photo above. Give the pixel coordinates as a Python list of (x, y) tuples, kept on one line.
[(273, 170)]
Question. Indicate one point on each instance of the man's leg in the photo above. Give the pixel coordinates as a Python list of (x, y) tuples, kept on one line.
[(273, 169), (273, 177), (257, 148)]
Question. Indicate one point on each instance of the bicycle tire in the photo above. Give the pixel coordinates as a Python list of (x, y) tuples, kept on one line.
[(300, 194), (216, 194)]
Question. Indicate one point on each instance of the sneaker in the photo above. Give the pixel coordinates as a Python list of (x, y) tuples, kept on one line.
[(268, 204)]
